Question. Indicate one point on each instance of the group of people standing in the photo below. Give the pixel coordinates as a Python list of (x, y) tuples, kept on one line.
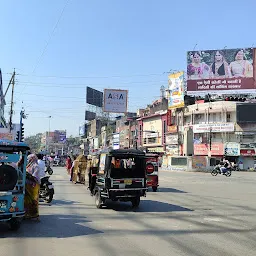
[(220, 68)]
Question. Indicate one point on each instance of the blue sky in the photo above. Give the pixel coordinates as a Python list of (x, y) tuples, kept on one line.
[(107, 44)]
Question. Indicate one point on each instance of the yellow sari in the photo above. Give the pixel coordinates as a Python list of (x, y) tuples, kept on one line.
[(31, 200)]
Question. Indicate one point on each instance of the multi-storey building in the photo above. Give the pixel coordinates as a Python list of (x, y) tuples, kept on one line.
[(221, 128)]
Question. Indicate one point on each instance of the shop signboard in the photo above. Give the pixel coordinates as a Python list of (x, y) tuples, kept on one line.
[(247, 152), (172, 129), (214, 127), (217, 149), (172, 150), (232, 149), (171, 139)]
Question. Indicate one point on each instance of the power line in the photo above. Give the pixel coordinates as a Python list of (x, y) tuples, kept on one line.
[(48, 41), (50, 37), (93, 77), (82, 86)]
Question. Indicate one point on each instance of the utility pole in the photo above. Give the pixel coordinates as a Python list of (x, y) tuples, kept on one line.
[(12, 81)]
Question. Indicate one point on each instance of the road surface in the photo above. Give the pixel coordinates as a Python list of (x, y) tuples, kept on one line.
[(191, 214)]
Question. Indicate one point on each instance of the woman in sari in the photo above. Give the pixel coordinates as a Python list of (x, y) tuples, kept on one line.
[(197, 69), (219, 68), (241, 67), (33, 178), (68, 164)]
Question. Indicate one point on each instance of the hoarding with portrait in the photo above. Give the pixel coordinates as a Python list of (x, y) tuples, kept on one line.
[(227, 71), (176, 90), (115, 101)]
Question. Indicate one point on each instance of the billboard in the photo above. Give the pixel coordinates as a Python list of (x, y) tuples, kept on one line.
[(176, 90), (90, 115), (115, 101), (83, 130), (94, 97), (60, 136), (227, 71), (244, 113)]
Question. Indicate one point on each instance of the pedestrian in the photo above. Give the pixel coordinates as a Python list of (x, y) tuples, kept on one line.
[(41, 164), (68, 164), (31, 200)]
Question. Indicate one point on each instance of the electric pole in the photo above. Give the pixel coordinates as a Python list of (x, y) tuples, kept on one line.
[(12, 81)]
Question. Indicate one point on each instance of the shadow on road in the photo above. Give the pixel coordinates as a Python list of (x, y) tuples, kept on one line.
[(146, 206), (62, 202), (171, 190), (51, 226)]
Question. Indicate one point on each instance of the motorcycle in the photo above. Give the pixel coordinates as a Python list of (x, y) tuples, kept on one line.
[(217, 171), (49, 169), (46, 190)]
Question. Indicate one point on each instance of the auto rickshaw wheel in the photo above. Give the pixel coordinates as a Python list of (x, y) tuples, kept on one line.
[(15, 224), (98, 200), (154, 189), (136, 202)]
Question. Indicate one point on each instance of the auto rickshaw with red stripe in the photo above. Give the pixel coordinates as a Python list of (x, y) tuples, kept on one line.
[(152, 164)]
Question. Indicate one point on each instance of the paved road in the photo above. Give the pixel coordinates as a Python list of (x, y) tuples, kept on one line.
[(192, 214)]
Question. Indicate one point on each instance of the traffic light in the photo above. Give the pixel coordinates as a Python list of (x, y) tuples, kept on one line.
[(22, 132), (18, 136)]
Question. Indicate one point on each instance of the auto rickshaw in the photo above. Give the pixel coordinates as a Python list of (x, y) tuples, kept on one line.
[(121, 175), (91, 172), (13, 161), (152, 171)]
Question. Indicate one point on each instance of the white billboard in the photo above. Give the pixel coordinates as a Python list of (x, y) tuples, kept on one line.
[(115, 101)]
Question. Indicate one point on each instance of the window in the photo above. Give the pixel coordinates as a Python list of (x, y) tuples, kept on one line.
[(179, 161), (151, 140), (228, 117), (214, 117)]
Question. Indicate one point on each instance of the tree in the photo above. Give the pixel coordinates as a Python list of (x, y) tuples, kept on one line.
[(34, 142)]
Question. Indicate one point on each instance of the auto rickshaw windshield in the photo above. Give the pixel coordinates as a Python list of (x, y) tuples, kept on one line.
[(130, 167)]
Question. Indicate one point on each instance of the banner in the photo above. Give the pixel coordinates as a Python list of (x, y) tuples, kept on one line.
[(217, 149), (171, 139), (115, 101), (176, 90), (228, 71), (214, 127)]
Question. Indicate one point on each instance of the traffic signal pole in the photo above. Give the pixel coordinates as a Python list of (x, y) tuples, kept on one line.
[(20, 133)]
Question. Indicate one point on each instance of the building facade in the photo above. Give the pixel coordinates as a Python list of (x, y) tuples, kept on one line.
[(220, 131)]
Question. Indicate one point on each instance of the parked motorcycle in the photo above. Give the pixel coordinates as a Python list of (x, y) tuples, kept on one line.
[(46, 190), (217, 171)]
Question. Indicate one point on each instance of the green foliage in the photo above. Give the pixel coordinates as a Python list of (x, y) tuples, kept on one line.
[(34, 142)]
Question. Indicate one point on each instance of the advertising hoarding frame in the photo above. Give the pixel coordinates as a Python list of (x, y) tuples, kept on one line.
[(115, 109), (227, 71), (92, 96), (176, 90)]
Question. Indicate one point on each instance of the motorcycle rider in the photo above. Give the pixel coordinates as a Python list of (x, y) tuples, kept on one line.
[(225, 165)]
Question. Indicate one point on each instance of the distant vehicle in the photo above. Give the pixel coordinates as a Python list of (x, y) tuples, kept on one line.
[(217, 171)]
